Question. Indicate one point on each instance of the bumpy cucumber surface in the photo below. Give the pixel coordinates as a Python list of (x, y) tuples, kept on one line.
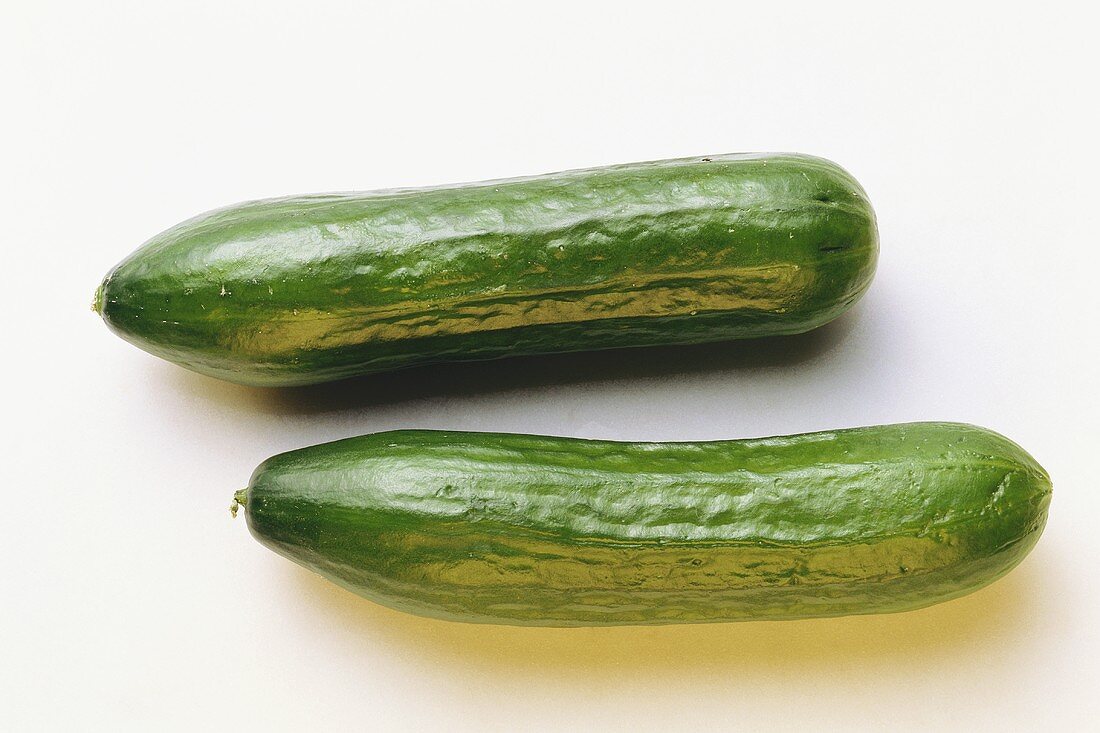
[(315, 288), (521, 529)]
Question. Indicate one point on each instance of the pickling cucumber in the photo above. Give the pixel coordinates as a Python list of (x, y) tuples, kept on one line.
[(521, 529), (314, 288)]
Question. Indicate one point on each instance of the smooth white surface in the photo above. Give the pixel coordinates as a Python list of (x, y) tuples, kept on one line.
[(133, 602)]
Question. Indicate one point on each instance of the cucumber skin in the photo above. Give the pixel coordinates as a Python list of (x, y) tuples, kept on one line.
[(316, 288), (545, 531)]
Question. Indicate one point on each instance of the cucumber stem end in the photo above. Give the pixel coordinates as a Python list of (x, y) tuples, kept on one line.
[(240, 499)]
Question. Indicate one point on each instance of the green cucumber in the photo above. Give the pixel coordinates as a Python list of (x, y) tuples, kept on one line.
[(529, 530), (316, 288)]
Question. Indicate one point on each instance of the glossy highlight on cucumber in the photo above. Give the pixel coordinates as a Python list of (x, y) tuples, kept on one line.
[(309, 289), (547, 531)]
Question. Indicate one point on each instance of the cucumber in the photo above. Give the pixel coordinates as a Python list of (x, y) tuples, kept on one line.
[(315, 288), (529, 530)]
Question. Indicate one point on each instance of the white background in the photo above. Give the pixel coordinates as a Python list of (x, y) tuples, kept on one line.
[(133, 602)]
